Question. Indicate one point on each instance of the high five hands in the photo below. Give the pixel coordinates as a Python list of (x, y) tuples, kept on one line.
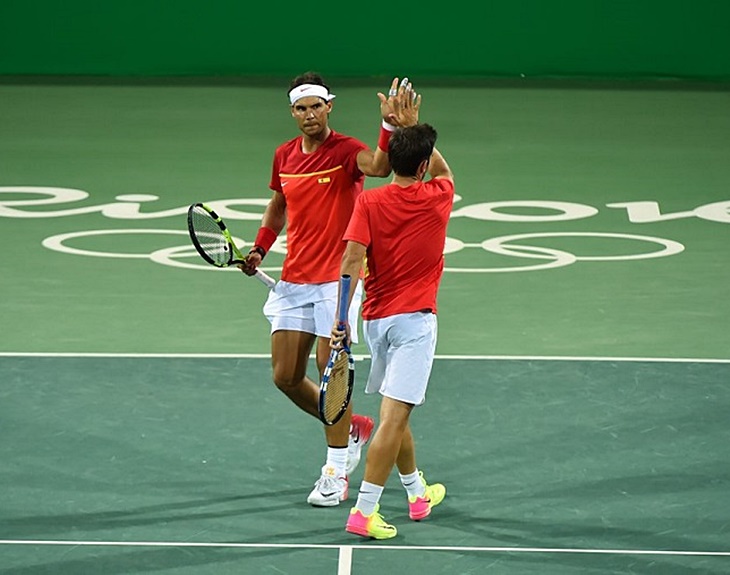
[(400, 108)]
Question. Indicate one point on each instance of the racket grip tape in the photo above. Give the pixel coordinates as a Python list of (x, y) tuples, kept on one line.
[(265, 278), (345, 281)]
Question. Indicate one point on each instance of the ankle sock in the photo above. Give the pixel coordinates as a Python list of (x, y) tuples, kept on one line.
[(413, 484), (337, 458), (368, 497)]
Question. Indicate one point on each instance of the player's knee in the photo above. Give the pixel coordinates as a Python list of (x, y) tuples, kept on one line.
[(286, 382)]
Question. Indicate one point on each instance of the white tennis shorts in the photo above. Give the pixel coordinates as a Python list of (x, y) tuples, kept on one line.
[(309, 308), (402, 349)]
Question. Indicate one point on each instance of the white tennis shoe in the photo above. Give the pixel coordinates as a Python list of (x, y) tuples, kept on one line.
[(329, 489), (361, 428)]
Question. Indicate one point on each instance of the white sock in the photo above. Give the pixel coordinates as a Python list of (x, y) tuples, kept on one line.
[(413, 484), (368, 497), (337, 458)]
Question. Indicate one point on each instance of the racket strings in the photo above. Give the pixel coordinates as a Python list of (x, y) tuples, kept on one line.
[(209, 236), (337, 388)]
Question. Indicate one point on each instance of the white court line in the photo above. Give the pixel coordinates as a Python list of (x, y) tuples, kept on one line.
[(366, 356), (344, 562), (347, 549)]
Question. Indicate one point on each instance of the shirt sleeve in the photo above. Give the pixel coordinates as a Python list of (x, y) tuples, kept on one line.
[(350, 162), (358, 230), (275, 183)]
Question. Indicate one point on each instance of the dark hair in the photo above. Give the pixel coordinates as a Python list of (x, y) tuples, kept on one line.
[(307, 78), (408, 147)]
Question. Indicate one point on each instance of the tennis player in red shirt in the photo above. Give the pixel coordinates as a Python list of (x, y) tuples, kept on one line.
[(400, 229), (316, 178)]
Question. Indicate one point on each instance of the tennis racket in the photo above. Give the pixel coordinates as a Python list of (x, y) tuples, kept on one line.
[(335, 389), (214, 243)]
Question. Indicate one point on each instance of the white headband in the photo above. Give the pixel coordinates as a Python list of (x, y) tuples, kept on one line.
[(309, 90)]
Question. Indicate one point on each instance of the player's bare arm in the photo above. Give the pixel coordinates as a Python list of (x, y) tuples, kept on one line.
[(437, 166), (351, 264)]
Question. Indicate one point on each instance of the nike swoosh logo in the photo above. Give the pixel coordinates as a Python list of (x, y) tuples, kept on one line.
[(329, 494)]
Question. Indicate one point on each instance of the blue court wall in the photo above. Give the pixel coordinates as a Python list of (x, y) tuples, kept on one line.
[(507, 38)]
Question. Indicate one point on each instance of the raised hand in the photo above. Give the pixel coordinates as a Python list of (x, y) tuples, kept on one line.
[(402, 105)]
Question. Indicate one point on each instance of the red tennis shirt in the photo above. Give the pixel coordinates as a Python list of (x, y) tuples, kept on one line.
[(320, 190), (404, 230)]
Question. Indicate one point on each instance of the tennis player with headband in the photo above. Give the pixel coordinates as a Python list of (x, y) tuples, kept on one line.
[(316, 178)]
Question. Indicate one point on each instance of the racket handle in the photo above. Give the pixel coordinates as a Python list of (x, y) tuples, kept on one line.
[(265, 279), (344, 299)]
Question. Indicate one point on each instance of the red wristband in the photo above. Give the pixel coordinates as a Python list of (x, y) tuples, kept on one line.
[(265, 238), (386, 130)]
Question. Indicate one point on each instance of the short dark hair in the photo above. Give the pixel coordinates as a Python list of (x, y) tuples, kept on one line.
[(307, 78), (408, 147)]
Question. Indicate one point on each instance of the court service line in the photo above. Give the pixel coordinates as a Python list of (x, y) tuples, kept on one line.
[(366, 356), (346, 550)]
